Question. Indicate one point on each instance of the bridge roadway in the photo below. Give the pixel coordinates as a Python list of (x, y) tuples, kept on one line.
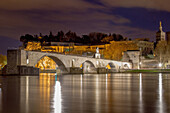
[(64, 62)]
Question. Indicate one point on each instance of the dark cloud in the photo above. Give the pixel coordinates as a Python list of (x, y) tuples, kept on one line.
[(130, 18), (151, 4), (45, 4)]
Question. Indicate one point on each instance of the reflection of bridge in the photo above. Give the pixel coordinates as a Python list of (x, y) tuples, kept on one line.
[(22, 62)]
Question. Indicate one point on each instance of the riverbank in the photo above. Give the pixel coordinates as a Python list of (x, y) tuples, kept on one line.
[(121, 71), (147, 71)]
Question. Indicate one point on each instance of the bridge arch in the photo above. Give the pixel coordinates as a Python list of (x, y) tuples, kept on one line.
[(88, 67), (126, 66), (58, 62), (110, 65)]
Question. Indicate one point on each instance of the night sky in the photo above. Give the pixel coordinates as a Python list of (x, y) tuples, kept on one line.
[(130, 18)]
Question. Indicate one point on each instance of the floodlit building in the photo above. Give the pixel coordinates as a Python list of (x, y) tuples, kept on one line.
[(160, 35), (145, 47)]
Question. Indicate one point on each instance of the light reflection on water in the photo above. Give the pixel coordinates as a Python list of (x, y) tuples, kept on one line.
[(57, 91), (118, 93), (0, 98), (140, 94), (57, 97), (160, 103)]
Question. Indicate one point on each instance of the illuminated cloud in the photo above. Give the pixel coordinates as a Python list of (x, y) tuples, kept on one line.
[(151, 4), (45, 4), (19, 17), (16, 23)]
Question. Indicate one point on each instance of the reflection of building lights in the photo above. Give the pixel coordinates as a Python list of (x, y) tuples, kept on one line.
[(140, 93), (106, 81), (27, 93), (140, 86), (57, 98), (160, 86), (160, 91)]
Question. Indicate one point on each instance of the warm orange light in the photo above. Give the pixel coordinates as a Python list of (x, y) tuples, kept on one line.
[(108, 66), (46, 63)]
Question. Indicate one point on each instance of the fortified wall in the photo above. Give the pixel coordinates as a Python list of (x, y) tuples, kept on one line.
[(15, 64)]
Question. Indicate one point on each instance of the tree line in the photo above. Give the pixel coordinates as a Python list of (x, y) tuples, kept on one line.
[(92, 38)]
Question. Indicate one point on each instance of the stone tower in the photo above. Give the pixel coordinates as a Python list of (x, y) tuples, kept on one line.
[(160, 35)]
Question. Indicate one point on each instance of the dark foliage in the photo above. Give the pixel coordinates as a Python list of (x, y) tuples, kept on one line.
[(91, 39)]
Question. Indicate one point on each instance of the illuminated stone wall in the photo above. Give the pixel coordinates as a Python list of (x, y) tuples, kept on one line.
[(116, 48), (145, 46), (108, 51), (33, 46)]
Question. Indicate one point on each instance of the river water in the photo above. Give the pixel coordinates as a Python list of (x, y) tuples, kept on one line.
[(89, 93)]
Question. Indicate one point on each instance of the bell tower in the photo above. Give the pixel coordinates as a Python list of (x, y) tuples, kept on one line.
[(160, 35)]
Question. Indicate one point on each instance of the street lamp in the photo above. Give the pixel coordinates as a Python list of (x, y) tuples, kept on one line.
[(160, 64), (140, 63)]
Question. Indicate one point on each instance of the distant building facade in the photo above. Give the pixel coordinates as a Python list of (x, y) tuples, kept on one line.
[(145, 47), (168, 37), (160, 35)]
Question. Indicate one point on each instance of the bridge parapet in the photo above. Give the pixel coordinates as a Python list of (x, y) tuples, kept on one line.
[(64, 62)]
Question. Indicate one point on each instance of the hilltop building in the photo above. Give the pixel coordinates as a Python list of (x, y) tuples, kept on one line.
[(145, 46), (160, 35)]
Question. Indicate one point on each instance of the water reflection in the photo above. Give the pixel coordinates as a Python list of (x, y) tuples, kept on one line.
[(49, 80), (27, 94), (0, 96), (140, 94), (97, 101), (160, 103), (92, 93), (57, 97)]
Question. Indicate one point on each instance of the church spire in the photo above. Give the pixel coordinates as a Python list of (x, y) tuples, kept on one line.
[(160, 26), (160, 35)]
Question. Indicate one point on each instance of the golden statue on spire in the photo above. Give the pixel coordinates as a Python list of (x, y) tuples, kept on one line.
[(160, 27), (160, 24)]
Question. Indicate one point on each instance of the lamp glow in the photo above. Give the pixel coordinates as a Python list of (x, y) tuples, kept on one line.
[(160, 64)]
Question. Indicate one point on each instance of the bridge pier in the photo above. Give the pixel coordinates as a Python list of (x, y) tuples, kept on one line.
[(76, 70), (101, 70), (18, 60), (112, 70)]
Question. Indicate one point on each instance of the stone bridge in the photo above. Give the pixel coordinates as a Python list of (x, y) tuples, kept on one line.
[(66, 63)]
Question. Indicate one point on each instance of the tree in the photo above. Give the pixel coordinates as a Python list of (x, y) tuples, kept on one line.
[(51, 37), (3, 61), (161, 52), (60, 35), (107, 39), (117, 48)]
